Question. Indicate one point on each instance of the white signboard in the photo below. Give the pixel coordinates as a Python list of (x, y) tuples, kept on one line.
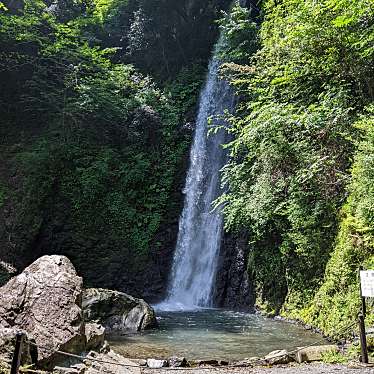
[(367, 283)]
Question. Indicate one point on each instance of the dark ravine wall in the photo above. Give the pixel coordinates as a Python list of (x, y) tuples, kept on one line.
[(234, 288)]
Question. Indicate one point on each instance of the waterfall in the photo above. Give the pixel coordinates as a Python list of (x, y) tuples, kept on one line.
[(200, 227)]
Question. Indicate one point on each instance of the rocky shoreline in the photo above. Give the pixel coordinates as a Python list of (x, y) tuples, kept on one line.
[(49, 306)]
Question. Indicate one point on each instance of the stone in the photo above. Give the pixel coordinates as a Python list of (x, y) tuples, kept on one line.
[(223, 362), (45, 301), (233, 286), (156, 364), (244, 363), (64, 370), (206, 362), (95, 334), (278, 357), (117, 311), (79, 367), (314, 353), (177, 361), (105, 348), (140, 362)]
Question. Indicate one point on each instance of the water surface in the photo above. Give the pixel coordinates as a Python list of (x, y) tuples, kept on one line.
[(213, 334)]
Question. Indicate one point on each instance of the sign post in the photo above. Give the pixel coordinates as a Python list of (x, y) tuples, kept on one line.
[(366, 290)]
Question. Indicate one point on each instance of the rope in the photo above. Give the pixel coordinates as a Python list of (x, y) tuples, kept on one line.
[(82, 358)]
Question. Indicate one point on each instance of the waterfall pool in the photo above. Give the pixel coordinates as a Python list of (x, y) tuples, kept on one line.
[(213, 334)]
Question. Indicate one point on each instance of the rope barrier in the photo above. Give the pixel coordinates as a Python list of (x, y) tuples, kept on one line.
[(260, 361)]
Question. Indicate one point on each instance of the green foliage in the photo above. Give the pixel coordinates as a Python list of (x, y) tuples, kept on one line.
[(295, 134), (334, 357), (240, 34), (337, 302), (184, 89), (101, 146)]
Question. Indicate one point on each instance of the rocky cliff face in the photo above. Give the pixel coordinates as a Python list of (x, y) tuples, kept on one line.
[(234, 288)]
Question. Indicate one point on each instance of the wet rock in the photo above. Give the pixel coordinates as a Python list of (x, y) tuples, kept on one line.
[(117, 311), (177, 361), (95, 336), (233, 286), (278, 357), (314, 353), (206, 362), (156, 364), (44, 300), (243, 363)]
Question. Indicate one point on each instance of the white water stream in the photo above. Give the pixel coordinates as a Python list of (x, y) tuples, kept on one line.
[(200, 227)]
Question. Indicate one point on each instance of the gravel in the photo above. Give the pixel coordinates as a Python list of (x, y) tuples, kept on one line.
[(317, 368)]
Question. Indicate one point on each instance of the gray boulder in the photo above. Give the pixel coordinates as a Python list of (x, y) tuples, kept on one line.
[(117, 311), (45, 301), (314, 353), (278, 357)]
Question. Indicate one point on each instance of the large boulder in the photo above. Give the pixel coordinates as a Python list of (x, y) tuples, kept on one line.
[(314, 353), (117, 311), (45, 301)]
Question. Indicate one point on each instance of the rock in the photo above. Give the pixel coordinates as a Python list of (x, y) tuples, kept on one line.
[(117, 311), (105, 348), (314, 353), (95, 336), (64, 370), (278, 357), (79, 367), (206, 362), (7, 343), (246, 363), (177, 361), (223, 362), (156, 364), (233, 287), (140, 362), (45, 301)]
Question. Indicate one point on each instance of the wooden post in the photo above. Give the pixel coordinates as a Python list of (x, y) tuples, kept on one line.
[(364, 349), (363, 301), (17, 353)]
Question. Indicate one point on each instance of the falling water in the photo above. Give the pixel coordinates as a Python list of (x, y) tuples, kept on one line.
[(200, 227)]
